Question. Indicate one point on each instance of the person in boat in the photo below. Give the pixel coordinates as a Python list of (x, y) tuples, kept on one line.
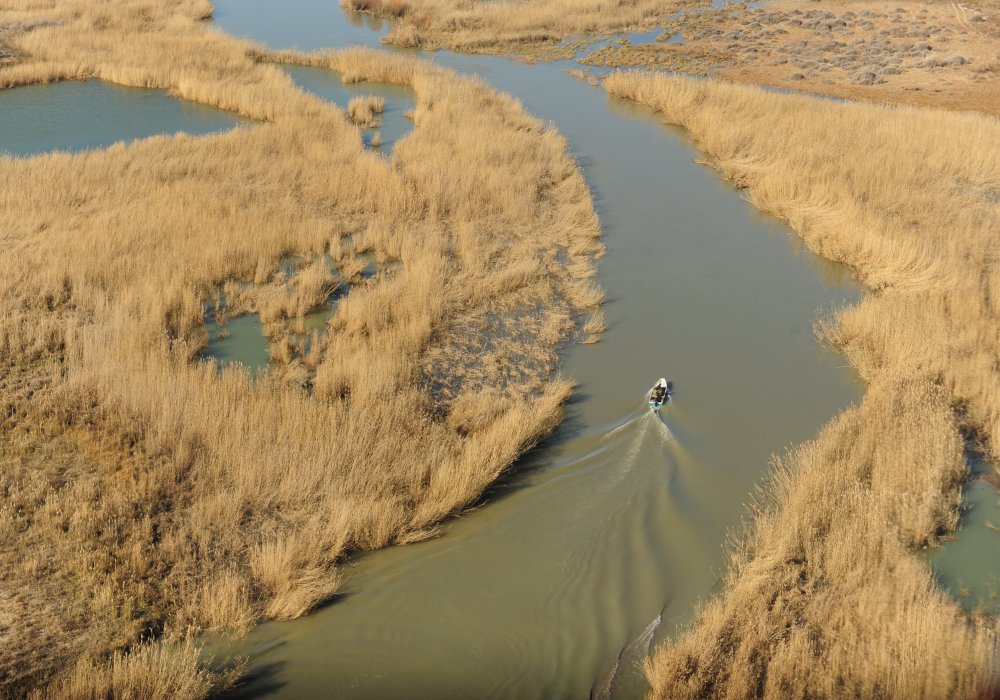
[(659, 394)]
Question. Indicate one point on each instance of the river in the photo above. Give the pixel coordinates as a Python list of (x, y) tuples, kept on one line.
[(619, 519)]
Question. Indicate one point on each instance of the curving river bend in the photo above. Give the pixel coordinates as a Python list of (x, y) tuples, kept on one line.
[(618, 520)]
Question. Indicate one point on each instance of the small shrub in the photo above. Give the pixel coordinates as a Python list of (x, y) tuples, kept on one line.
[(404, 36), (366, 110)]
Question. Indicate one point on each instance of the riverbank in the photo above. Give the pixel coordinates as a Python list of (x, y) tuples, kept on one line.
[(824, 595), (148, 497)]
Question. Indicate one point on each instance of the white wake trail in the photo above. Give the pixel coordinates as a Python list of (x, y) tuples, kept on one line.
[(627, 423), (664, 431), (631, 653)]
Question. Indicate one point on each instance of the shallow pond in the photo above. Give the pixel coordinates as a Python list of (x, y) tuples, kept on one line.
[(969, 564), (241, 339), (75, 116), (619, 519)]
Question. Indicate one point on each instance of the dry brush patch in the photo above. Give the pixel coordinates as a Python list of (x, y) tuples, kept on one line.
[(908, 52), (825, 597), (147, 496)]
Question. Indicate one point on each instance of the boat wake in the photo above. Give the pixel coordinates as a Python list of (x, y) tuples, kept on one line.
[(638, 649), (632, 418), (631, 654), (662, 429), (642, 416), (633, 449), (638, 436)]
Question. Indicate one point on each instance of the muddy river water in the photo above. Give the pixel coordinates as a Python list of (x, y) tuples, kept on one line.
[(619, 519)]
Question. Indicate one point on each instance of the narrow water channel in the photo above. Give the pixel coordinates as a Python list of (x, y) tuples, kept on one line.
[(620, 517), (968, 565)]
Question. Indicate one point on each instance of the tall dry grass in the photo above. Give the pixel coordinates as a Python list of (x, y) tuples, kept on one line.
[(825, 596), (148, 497), (366, 110), (514, 26), (148, 671)]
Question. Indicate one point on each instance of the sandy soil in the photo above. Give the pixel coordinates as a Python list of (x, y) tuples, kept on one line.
[(945, 54)]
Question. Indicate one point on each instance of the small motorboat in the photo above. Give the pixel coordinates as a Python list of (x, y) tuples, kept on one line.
[(659, 394)]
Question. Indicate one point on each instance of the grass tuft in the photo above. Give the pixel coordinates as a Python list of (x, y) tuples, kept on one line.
[(366, 111)]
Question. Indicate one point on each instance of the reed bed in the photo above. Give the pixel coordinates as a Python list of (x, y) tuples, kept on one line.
[(366, 111), (148, 497), (516, 26), (825, 596)]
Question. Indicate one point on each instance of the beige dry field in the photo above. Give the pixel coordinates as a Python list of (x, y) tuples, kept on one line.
[(825, 596), (908, 52), (147, 497)]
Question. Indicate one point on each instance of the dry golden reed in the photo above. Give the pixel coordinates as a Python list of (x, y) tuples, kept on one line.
[(825, 596), (148, 496), (513, 26), (366, 110)]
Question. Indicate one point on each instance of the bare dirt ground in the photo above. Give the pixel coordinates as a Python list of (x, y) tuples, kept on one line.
[(943, 54)]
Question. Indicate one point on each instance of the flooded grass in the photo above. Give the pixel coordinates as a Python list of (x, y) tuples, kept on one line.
[(239, 340), (518, 27), (244, 339)]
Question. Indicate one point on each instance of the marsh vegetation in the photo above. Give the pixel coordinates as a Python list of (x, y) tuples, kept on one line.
[(149, 497), (906, 52), (146, 495), (519, 27)]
